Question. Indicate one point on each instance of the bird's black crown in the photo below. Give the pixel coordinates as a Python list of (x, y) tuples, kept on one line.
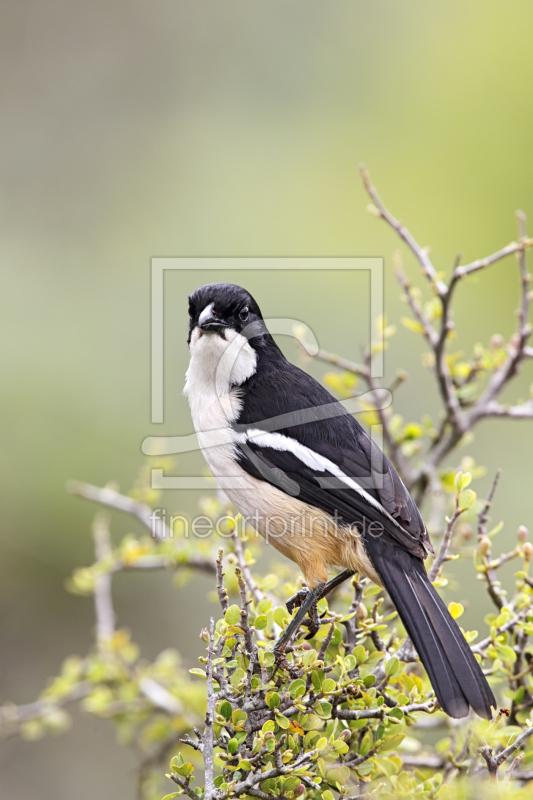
[(232, 305)]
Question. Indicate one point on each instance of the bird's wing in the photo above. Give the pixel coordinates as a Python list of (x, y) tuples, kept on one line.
[(355, 482)]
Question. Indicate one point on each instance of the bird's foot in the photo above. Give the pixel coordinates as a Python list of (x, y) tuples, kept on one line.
[(297, 599), (314, 620)]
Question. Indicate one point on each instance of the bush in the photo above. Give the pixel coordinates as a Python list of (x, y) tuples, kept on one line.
[(351, 712)]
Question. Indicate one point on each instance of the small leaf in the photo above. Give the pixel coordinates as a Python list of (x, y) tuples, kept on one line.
[(392, 742), (506, 653), (281, 615), (391, 666), (225, 709), (232, 615), (412, 325), (456, 610), (261, 622), (467, 499), (199, 672), (272, 699)]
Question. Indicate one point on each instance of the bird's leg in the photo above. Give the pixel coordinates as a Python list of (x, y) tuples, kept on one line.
[(337, 580), (306, 603), (299, 598)]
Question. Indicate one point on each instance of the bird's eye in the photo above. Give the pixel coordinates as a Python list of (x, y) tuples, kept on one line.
[(191, 311), (243, 315)]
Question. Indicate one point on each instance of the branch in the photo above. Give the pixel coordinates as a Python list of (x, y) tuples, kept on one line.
[(210, 791), (253, 588), (420, 252), (103, 601), (442, 555), (113, 499), (490, 572)]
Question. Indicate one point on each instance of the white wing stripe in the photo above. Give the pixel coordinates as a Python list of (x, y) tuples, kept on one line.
[(278, 441)]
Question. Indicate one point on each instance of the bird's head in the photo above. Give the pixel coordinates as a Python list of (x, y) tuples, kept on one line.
[(224, 310)]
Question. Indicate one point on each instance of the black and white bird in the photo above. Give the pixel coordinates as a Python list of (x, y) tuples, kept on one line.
[(306, 476)]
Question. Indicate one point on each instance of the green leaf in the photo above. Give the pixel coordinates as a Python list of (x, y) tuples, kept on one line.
[(261, 622), (328, 686), (264, 605), (225, 709), (467, 499), (268, 727), (297, 688), (244, 765), (281, 615), (232, 615), (506, 653), (272, 699), (239, 717), (233, 746), (392, 742), (338, 775), (391, 666), (237, 677), (282, 721), (360, 654), (199, 672)]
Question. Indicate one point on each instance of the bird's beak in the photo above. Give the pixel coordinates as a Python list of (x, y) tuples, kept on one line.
[(213, 325), (209, 323)]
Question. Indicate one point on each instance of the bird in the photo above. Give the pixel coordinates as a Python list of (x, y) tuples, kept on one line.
[(304, 473)]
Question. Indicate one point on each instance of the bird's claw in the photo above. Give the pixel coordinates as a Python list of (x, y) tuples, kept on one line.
[(314, 620), (297, 599)]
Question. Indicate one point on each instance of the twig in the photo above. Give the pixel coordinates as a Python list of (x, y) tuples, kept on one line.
[(379, 713), (245, 624), (442, 555), (210, 791), (221, 589), (253, 588), (113, 499), (420, 252), (103, 601), (489, 572)]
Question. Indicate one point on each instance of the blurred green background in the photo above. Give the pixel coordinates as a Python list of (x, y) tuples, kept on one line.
[(130, 130)]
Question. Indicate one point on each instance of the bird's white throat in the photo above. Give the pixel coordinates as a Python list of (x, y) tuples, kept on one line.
[(217, 368)]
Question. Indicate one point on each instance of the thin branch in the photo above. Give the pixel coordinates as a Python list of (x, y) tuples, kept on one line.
[(113, 499), (210, 790), (379, 713), (442, 555), (420, 252), (103, 601), (253, 588), (489, 572), (482, 263), (221, 589)]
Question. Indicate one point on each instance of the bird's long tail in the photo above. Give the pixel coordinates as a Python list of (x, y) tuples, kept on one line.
[(453, 670)]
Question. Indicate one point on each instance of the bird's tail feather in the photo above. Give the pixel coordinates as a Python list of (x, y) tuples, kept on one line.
[(452, 668)]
